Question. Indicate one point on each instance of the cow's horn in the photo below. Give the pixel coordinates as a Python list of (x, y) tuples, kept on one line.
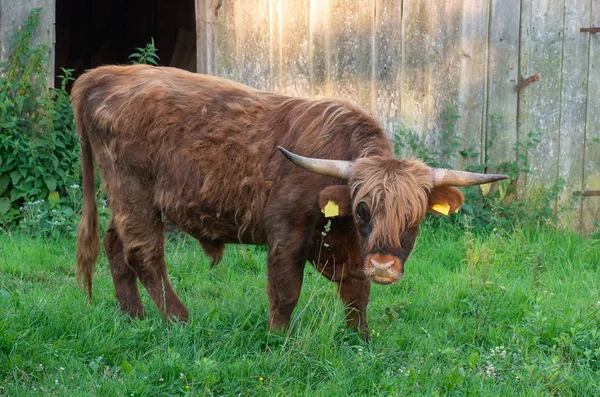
[(444, 177), (336, 168)]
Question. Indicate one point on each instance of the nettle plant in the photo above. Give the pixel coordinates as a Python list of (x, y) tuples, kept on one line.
[(39, 151), (487, 209), (146, 55)]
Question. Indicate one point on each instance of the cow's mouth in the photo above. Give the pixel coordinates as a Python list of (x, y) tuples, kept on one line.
[(384, 278)]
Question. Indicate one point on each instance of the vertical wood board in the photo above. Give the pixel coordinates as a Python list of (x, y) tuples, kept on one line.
[(524, 121), (365, 55), (545, 59), (344, 49), (591, 171), (445, 56), (473, 72), (503, 52), (573, 109), (275, 45), (387, 63), (416, 47), (205, 10), (294, 20), (225, 59), (255, 43), (320, 48)]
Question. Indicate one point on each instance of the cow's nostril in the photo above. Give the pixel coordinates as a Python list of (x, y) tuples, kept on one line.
[(381, 265)]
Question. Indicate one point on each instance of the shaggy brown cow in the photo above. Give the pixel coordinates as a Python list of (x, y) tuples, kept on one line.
[(202, 152)]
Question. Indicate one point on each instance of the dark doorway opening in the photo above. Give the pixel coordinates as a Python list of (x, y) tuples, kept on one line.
[(91, 33)]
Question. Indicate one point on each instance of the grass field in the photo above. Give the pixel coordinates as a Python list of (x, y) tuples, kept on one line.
[(501, 314)]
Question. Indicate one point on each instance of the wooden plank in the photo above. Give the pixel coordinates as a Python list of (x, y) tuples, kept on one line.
[(545, 59), (573, 110), (524, 121), (364, 56), (225, 60), (12, 16), (320, 48), (205, 20), (239, 32), (294, 23), (275, 45), (416, 47), (344, 47), (472, 86), (254, 43), (444, 59), (591, 174), (502, 100), (387, 66)]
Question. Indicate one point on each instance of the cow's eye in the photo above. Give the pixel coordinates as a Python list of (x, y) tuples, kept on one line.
[(362, 213)]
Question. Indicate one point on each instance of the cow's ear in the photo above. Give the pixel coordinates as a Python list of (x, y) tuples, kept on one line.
[(335, 196), (445, 200)]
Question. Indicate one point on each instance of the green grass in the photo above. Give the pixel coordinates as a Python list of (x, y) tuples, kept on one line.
[(502, 314)]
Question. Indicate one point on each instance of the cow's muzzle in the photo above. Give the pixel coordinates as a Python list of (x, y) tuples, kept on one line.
[(383, 269)]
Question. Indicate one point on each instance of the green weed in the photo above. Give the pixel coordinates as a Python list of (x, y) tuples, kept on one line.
[(38, 146), (146, 55)]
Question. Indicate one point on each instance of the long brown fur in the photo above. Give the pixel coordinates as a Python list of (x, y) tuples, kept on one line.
[(377, 180), (201, 151)]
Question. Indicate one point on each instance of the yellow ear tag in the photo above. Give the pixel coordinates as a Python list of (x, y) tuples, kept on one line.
[(331, 209), (443, 208)]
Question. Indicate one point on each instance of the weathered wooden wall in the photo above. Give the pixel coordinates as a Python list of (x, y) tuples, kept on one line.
[(405, 60), (12, 15)]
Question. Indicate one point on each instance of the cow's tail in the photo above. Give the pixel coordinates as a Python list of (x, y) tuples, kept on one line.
[(88, 234)]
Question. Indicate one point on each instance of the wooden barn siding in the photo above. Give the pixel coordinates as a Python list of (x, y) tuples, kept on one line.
[(405, 60)]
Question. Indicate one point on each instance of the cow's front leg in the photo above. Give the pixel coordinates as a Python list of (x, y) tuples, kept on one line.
[(283, 288), (355, 293)]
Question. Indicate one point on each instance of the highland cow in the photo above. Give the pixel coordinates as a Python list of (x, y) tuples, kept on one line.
[(207, 154)]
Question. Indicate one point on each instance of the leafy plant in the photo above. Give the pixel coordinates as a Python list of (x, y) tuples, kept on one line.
[(450, 141), (38, 146), (146, 55)]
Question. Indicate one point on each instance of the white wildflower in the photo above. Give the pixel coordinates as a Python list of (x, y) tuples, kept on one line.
[(490, 370)]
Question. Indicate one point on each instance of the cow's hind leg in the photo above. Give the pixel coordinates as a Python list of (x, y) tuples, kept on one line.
[(124, 275), (153, 275), (141, 229)]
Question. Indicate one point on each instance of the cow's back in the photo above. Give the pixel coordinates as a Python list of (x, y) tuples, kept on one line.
[(206, 147)]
